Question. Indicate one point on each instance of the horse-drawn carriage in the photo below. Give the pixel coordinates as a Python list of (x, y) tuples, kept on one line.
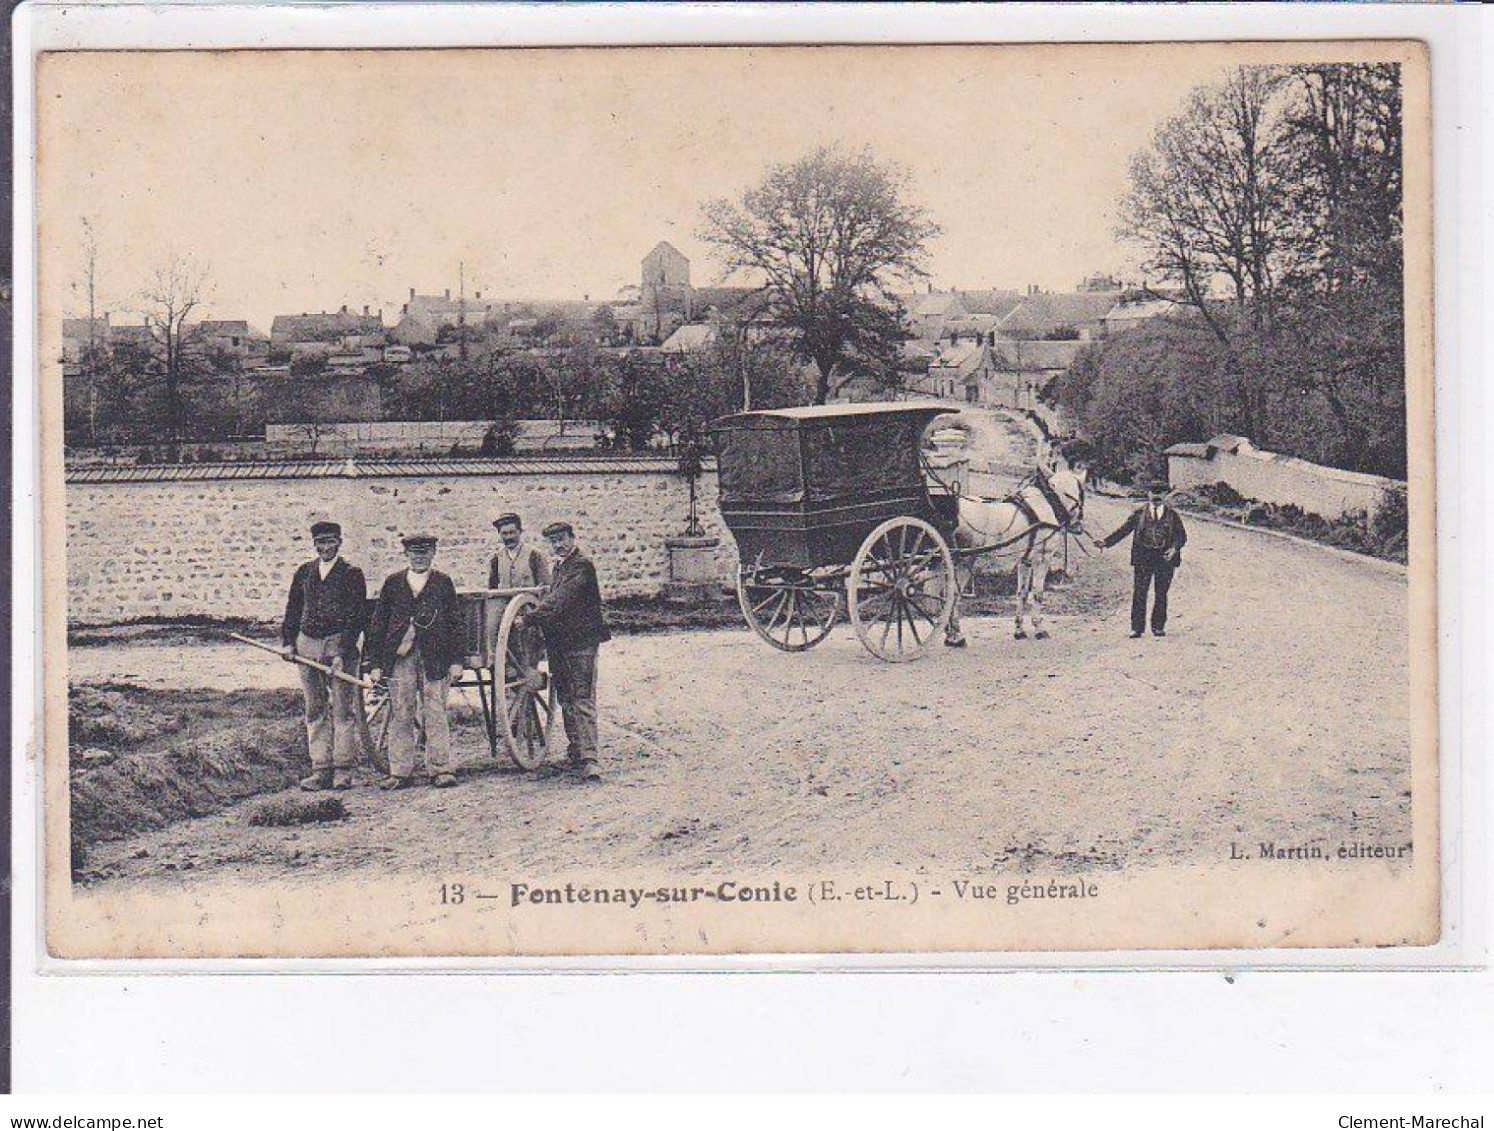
[(832, 503)]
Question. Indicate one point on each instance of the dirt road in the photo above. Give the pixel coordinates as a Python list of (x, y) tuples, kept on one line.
[(1275, 709)]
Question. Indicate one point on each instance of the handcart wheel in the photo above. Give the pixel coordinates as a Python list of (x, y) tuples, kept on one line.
[(523, 689), (902, 589), (373, 724), (784, 606)]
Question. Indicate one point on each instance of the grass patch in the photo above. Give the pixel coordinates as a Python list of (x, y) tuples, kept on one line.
[(287, 811), (142, 758)]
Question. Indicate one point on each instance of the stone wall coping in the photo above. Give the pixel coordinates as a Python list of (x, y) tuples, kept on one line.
[(381, 469)]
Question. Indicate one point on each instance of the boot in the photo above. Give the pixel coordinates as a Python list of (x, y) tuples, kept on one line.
[(318, 779)]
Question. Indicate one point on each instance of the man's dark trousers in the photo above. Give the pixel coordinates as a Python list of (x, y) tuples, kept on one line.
[(575, 673), (1150, 569)]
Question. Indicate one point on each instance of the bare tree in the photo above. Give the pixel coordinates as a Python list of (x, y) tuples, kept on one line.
[(91, 362), (174, 291), (1205, 198), (1206, 204), (828, 235)]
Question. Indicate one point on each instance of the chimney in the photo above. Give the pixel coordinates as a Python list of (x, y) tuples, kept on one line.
[(931, 288), (344, 309), (479, 296), (448, 294), (365, 310), (412, 294)]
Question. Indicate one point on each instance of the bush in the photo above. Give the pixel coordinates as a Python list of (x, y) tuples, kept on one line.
[(1391, 518)]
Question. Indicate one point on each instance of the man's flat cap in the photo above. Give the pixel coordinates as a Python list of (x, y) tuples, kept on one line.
[(557, 528), (326, 529), (504, 519), (419, 541)]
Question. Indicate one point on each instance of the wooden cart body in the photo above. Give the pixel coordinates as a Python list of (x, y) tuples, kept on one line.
[(506, 665)]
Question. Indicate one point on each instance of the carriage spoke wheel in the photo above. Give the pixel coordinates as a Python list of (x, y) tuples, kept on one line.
[(902, 589), (784, 607), (373, 725), (523, 689)]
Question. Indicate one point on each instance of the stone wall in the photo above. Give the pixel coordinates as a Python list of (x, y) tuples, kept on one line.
[(1271, 478), (219, 546)]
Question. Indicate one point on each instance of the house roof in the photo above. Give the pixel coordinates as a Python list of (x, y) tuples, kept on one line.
[(79, 328), (936, 305), (324, 327), (689, 337), (219, 326), (997, 302), (666, 248), (1045, 313), (1130, 313), (963, 359), (1035, 355)]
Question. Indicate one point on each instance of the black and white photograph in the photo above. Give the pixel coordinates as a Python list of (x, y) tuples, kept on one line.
[(730, 501)]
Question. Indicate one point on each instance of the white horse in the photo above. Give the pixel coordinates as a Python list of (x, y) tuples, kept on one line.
[(1029, 521)]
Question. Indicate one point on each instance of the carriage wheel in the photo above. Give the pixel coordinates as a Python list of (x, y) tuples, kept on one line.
[(785, 608), (523, 690), (373, 724), (902, 589)]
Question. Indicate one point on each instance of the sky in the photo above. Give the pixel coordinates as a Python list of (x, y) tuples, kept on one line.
[(306, 180)]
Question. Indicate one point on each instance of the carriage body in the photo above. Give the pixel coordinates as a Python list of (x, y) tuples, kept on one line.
[(826, 503), (805, 486)]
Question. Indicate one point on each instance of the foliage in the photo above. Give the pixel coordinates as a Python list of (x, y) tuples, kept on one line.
[(827, 236), (1271, 207)]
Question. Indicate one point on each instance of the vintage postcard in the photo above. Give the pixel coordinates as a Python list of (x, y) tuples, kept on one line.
[(729, 501)]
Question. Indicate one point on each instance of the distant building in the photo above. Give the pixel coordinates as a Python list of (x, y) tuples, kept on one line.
[(930, 316), (78, 334), (302, 335), (691, 338), (424, 317), (1016, 372), (234, 338), (1126, 315), (1043, 315), (665, 299)]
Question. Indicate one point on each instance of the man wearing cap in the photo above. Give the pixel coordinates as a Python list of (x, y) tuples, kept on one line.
[(570, 617), (516, 565), (1157, 541), (323, 620), (415, 636)]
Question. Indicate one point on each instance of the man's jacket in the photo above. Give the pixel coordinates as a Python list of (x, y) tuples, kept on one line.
[(1151, 538), (570, 614), (319, 608), (438, 626)]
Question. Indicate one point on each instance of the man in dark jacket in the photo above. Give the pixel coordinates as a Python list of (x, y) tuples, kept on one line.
[(1157, 541), (323, 620), (416, 636), (570, 617)]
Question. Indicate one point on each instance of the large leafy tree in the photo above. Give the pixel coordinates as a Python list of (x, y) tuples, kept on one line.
[(828, 237)]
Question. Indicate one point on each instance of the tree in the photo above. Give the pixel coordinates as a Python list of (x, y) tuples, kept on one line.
[(174, 291), (1272, 204), (828, 235)]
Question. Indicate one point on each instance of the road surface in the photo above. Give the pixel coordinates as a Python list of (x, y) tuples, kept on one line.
[(1275, 709)]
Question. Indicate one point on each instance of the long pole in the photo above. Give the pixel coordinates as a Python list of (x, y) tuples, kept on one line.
[(335, 673)]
